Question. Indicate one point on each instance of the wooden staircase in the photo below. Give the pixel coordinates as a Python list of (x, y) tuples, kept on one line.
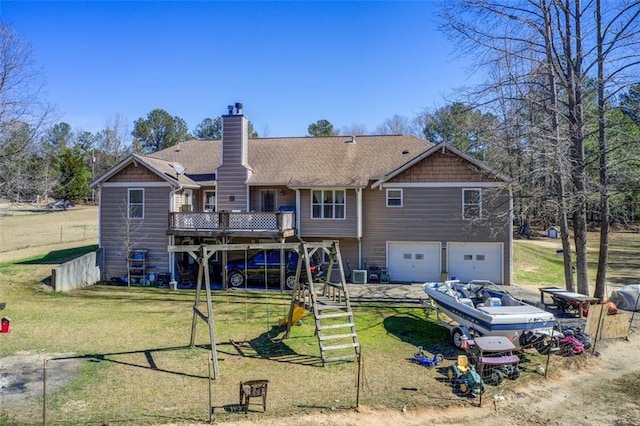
[(329, 302)]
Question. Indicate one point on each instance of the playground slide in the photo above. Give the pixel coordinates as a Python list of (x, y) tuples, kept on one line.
[(298, 313)]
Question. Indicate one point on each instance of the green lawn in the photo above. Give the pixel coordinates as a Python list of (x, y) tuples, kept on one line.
[(135, 366), (536, 263)]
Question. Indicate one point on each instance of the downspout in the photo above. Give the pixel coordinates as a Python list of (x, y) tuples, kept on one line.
[(102, 254), (100, 216), (297, 212), (359, 224), (172, 241)]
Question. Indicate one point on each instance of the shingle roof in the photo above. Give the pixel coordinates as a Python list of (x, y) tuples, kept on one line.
[(162, 168), (166, 169), (306, 161), (196, 156)]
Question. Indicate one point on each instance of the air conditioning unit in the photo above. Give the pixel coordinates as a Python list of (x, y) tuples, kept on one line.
[(359, 276)]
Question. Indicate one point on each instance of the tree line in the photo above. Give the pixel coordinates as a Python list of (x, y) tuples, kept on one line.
[(558, 111)]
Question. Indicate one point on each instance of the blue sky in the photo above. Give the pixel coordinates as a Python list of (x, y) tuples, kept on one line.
[(289, 63)]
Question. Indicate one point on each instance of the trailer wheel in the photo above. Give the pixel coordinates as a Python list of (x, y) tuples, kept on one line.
[(495, 377), (458, 337)]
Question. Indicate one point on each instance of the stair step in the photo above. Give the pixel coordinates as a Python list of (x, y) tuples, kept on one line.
[(343, 346), (329, 327), (336, 315), (336, 336), (340, 358), (331, 305)]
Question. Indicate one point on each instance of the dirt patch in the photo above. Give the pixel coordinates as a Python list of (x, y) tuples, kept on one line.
[(22, 375), (588, 390)]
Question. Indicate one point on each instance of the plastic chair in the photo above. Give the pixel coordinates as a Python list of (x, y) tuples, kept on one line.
[(374, 274), (384, 276), (186, 277), (463, 363), (251, 389)]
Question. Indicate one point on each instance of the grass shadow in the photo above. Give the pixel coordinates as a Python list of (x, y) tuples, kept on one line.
[(147, 354), (268, 346), (420, 332), (59, 256)]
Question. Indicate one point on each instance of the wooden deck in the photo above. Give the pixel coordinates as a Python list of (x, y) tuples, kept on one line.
[(238, 224)]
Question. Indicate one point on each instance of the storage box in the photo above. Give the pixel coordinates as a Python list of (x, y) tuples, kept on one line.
[(5, 324)]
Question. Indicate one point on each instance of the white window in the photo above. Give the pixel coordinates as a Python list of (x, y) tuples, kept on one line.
[(328, 204), (471, 204), (209, 201), (136, 204), (394, 197)]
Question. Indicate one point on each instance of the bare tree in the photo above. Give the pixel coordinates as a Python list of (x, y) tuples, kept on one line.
[(396, 125), (129, 235), (113, 143), (23, 111), (551, 51), (354, 130)]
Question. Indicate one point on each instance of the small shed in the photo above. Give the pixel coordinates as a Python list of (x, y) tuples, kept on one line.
[(553, 232)]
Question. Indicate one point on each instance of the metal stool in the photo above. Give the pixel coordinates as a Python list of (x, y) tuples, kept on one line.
[(253, 388)]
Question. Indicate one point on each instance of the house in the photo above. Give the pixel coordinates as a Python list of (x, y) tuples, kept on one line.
[(425, 212)]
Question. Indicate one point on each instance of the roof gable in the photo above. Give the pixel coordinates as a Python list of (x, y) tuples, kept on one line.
[(443, 163), (164, 171)]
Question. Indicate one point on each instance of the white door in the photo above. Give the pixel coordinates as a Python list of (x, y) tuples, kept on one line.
[(416, 262), (475, 261)]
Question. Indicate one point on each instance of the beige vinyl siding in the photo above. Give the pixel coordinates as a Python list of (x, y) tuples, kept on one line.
[(431, 214), (330, 228), (232, 192), (151, 234), (348, 251), (232, 174)]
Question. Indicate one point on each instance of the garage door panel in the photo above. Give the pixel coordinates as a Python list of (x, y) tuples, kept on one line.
[(476, 261), (414, 261)]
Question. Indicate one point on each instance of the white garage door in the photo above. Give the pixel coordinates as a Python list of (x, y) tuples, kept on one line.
[(475, 261), (416, 262)]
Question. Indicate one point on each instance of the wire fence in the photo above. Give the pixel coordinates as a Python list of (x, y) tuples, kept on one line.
[(37, 227), (55, 234)]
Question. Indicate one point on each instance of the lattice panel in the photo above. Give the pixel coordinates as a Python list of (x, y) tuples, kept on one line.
[(197, 221)]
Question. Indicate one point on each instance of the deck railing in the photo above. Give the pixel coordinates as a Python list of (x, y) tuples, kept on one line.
[(223, 221)]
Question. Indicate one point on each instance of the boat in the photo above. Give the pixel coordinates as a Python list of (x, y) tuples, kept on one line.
[(482, 308)]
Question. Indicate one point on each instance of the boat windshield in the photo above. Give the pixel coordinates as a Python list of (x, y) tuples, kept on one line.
[(445, 288)]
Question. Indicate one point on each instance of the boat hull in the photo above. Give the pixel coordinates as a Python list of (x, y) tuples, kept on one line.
[(508, 321)]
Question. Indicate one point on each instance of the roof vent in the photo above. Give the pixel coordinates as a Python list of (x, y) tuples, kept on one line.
[(353, 139), (405, 152), (239, 108), (230, 109)]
